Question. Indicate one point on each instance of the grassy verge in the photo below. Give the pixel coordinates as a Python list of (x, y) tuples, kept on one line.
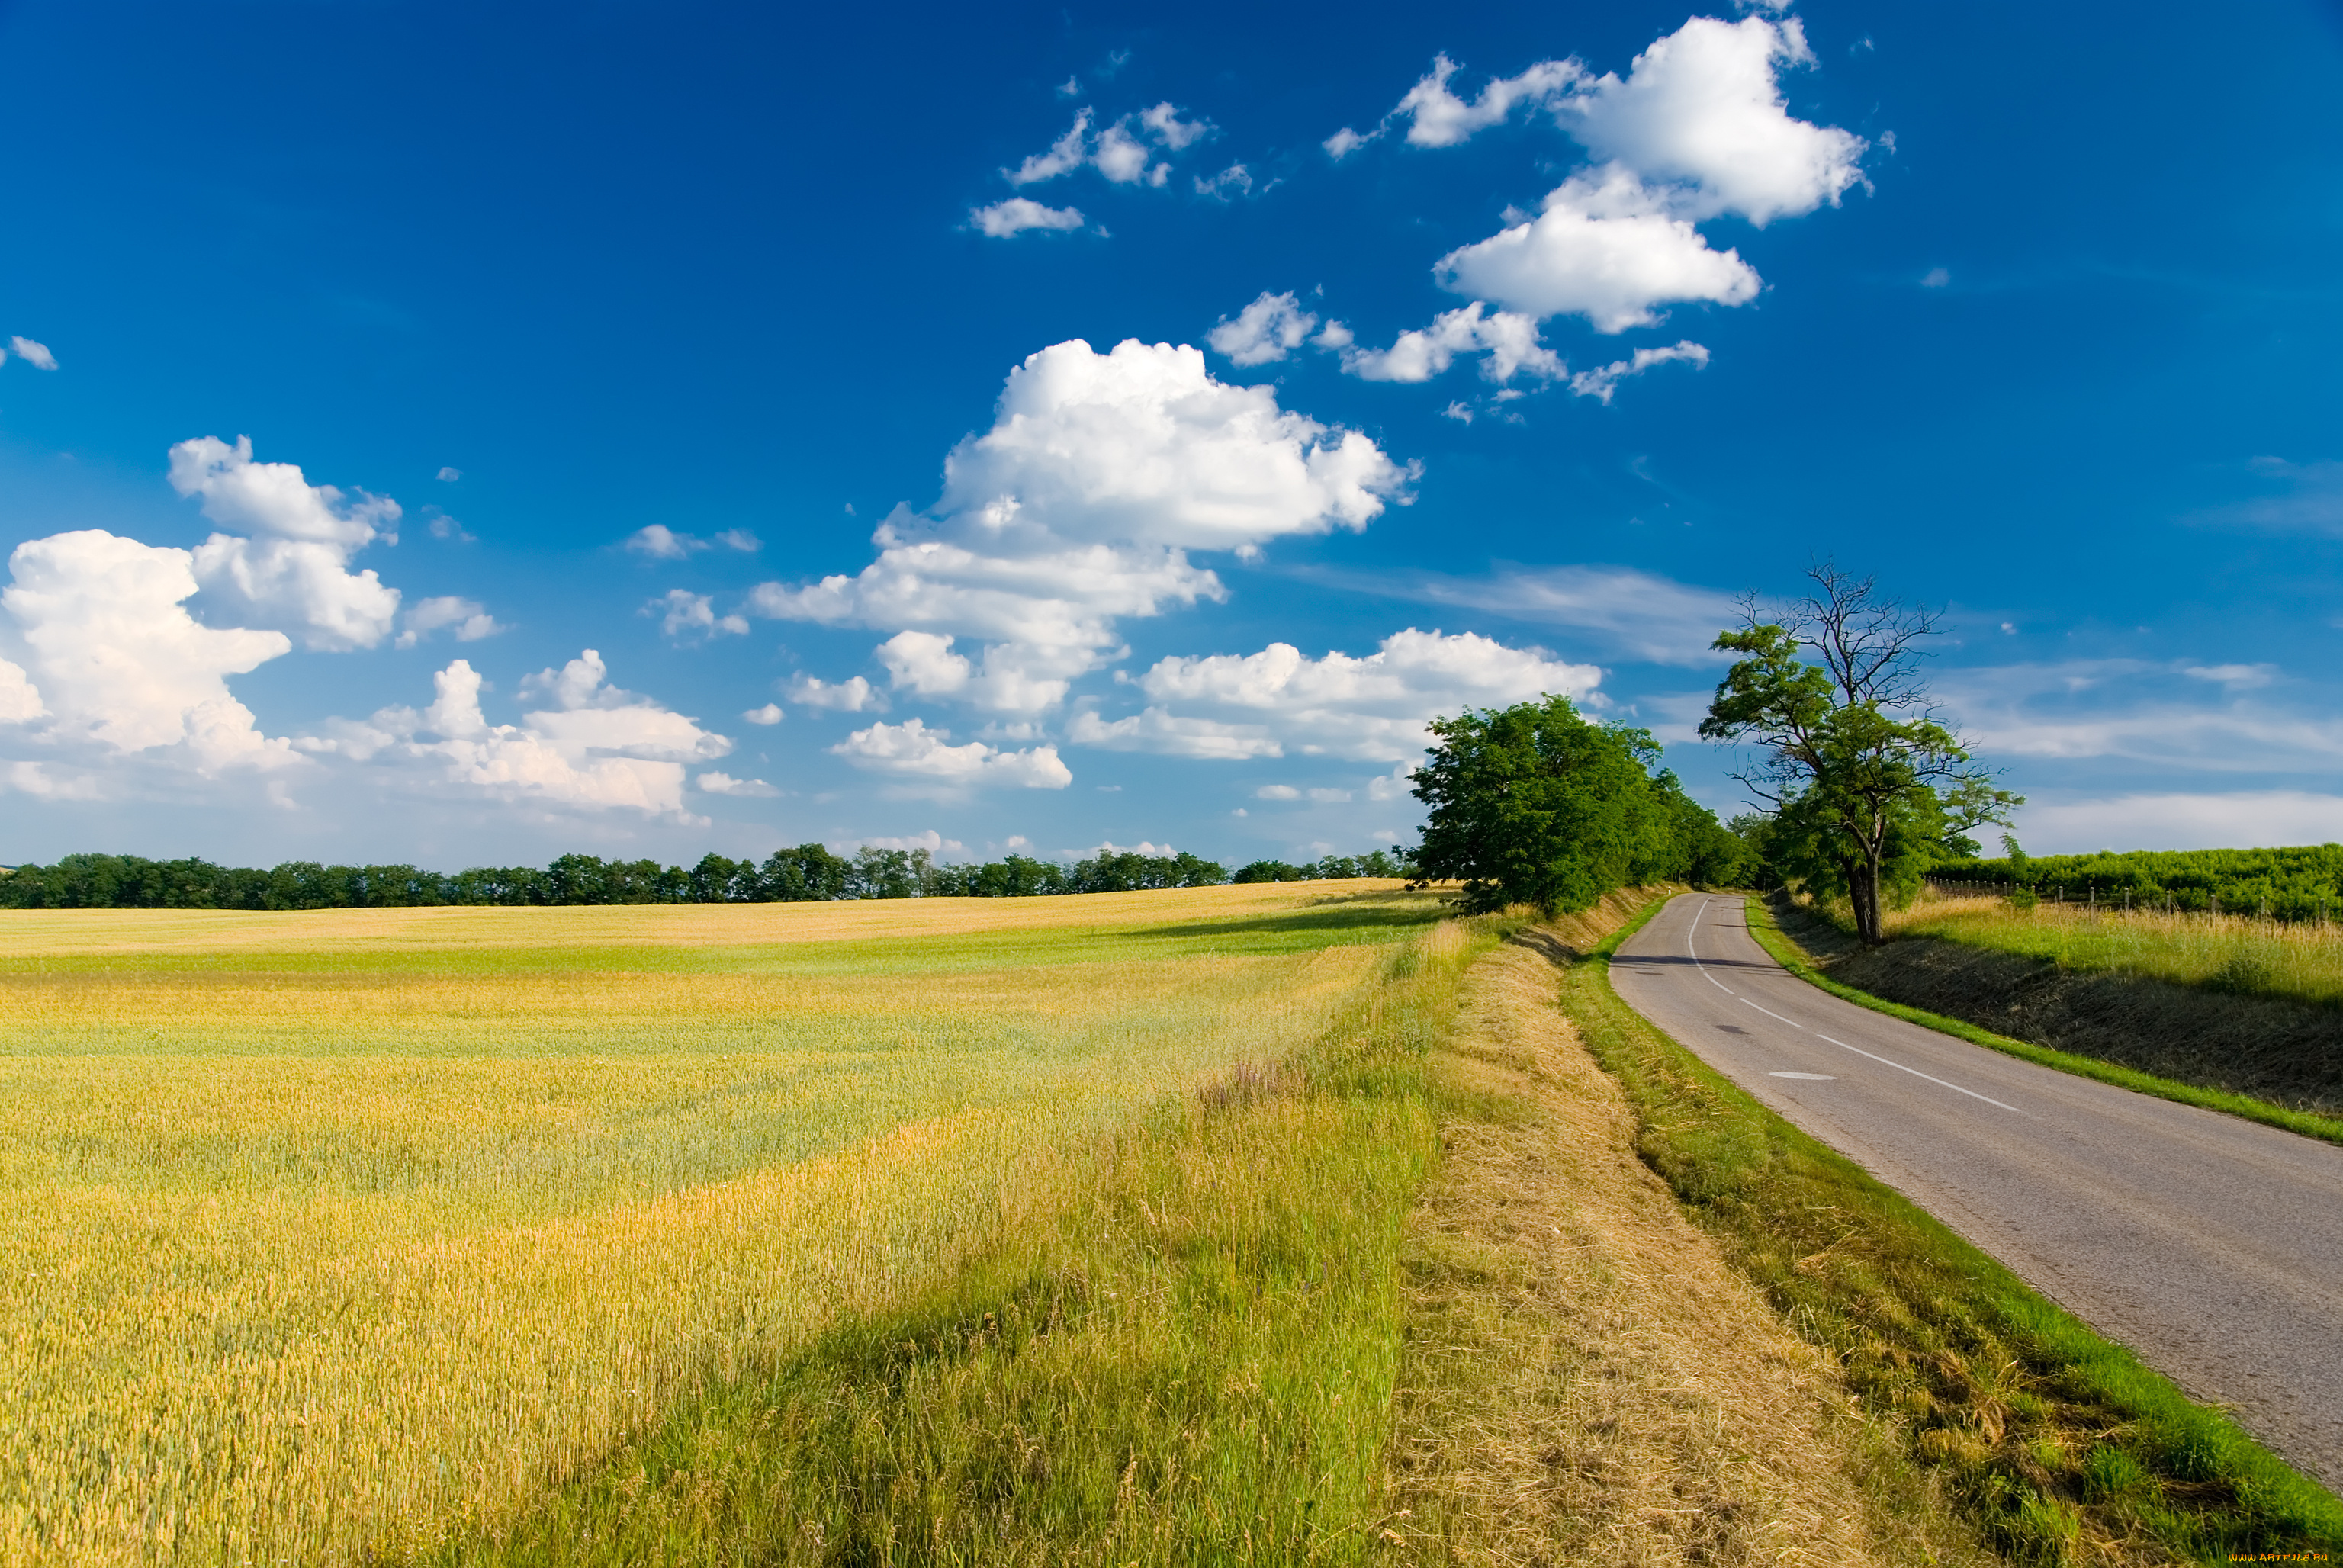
[(1585, 1378), (1790, 956), (2059, 1445), (1193, 1361)]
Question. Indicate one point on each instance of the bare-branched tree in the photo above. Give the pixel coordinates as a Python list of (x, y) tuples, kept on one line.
[(1864, 784)]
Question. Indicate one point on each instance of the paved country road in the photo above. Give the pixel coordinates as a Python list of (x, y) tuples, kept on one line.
[(2211, 1247)]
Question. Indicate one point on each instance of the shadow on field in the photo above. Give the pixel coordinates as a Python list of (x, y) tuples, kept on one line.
[(1335, 916)]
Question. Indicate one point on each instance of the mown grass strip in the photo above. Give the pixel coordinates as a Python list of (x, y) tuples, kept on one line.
[(1192, 1362), (1786, 953), (2054, 1442)]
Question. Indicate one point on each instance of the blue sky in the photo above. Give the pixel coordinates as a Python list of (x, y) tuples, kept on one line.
[(1464, 354)]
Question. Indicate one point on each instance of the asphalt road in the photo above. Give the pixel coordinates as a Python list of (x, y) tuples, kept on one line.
[(2211, 1247)]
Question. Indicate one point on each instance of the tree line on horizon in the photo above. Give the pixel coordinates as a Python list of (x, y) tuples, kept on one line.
[(800, 874), (1863, 793)]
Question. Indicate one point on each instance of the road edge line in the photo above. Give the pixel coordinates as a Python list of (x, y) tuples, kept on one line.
[(1784, 949)]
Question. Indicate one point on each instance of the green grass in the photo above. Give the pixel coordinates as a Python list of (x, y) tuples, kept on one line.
[(1194, 1363), (1791, 957), (2050, 1438)]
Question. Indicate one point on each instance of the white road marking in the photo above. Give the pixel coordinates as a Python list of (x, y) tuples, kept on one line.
[(1843, 1045), (1809, 1077), (1916, 1072), (1696, 957)]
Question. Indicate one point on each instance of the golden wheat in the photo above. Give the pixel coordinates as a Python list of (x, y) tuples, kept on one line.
[(339, 1234)]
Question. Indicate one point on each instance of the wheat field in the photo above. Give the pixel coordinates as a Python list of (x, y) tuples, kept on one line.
[(338, 1236)]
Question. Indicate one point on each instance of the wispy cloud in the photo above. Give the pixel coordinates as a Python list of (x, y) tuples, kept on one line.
[(2298, 498), (2176, 714), (1652, 619), (2248, 820)]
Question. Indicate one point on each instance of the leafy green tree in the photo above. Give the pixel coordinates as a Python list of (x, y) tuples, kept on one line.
[(1866, 787), (1534, 804), (806, 874)]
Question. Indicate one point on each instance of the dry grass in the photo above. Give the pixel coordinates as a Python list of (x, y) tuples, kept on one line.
[(1586, 1379), (341, 1233), (2241, 954)]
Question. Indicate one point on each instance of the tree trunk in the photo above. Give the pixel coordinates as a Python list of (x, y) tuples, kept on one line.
[(1863, 892)]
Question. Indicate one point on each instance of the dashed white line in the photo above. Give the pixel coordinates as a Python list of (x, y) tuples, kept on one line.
[(1695, 956), (1916, 1072)]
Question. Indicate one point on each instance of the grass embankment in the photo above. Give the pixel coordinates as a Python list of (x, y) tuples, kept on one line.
[(2267, 1059), (1587, 1381), (2060, 1446), (347, 1234)]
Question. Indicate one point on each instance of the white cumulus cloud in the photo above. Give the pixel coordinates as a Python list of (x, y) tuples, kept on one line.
[(1438, 118), (1271, 327), (771, 713), (589, 745), (274, 498), (115, 661), (1370, 708), (1697, 129), (36, 355), (1605, 247), (20, 700), (1080, 505), (1509, 341), (922, 662), (1163, 123), (1005, 219), (1701, 112), (1119, 150), (912, 750), (717, 783), (684, 614), (292, 572), (470, 618), (853, 695), (1065, 155)]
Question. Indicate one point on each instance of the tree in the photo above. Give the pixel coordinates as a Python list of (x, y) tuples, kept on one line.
[(1866, 787), (1535, 805)]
